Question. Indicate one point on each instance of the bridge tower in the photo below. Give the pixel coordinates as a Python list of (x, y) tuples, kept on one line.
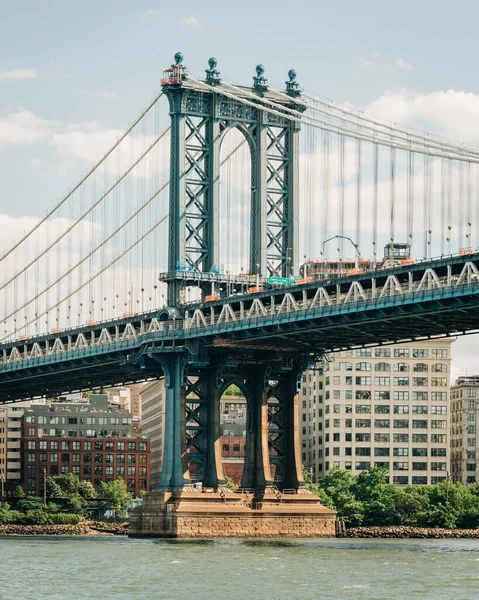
[(202, 112)]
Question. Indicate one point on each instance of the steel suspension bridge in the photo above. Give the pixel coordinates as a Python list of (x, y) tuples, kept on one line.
[(178, 255)]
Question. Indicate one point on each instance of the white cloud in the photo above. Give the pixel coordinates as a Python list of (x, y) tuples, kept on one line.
[(454, 114), (18, 74), (374, 59), (107, 94), (87, 144), (151, 12), (35, 161), (190, 21), (402, 64), (23, 127)]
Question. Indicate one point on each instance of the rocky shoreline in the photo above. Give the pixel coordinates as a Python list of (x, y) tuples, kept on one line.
[(402, 531), (83, 528)]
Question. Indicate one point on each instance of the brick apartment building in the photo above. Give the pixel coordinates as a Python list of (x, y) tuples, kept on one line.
[(92, 440)]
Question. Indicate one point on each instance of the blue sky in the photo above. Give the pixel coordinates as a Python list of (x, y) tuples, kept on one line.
[(90, 66)]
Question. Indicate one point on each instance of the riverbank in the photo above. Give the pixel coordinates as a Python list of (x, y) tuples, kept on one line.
[(402, 531), (83, 528)]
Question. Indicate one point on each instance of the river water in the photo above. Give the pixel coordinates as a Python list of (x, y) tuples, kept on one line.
[(95, 568)]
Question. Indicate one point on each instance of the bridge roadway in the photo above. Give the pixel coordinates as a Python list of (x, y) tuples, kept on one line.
[(428, 298)]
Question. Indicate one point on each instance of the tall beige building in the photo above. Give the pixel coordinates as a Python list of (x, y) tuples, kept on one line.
[(464, 433), (152, 400), (11, 444), (386, 406)]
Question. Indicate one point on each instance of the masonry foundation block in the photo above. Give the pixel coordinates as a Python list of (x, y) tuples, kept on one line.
[(231, 515)]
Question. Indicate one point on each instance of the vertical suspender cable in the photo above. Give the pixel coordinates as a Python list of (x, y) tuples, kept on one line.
[(375, 201)]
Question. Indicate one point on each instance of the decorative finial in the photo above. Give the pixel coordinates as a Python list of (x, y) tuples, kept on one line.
[(178, 58), (260, 81), (292, 86), (213, 76)]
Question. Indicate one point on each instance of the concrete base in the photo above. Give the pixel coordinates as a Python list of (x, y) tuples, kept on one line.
[(211, 514)]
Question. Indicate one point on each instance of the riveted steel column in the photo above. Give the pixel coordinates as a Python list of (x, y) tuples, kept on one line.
[(258, 240), (214, 468), (214, 137), (291, 239), (176, 227), (257, 470), (293, 467), (175, 472)]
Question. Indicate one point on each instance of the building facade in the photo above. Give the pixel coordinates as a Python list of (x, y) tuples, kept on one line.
[(464, 434), (386, 406), (152, 400), (92, 439)]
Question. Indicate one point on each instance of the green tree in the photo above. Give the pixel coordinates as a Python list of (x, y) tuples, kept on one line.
[(371, 488), (115, 494)]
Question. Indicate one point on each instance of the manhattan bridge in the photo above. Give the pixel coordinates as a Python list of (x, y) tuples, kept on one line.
[(184, 251)]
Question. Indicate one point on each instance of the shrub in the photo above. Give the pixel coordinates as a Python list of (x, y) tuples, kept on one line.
[(65, 519)]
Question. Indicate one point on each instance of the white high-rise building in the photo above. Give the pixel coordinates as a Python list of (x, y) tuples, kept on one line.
[(464, 430), (386, 406), (152, 400)]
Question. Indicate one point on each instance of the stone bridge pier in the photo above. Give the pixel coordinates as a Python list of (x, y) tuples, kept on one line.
[(264, 506)]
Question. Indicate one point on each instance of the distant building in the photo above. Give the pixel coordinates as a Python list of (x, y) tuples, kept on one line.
[(11, 474), (233, 436), (464, 430), (386, 406), (152, 400), (128, 398), (91, 439)]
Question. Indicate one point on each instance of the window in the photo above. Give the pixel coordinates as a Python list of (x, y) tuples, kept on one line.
[(439, 381), (382, 437), (441, 424), (401, 423), (440, 452), (436, 480), (382, 381), (439, 368), (382, 423), (401, 479), (382, 366), (400, 466), (419, 466), (401, 381), (362, 395), (363, 422), (382, 352), (42, 445), (438, 396), (401, 352), (381, 451), (31, 457), (419, 424), (120, 446), (363, 352), (132, 446), (382, 395), (363, 451), (363, 408), (43, 457), (31, 444), (53, 469), (65, 445), (419, 410), (120, 470), (132, 457), (401, 437), (401, 409), (120, 458), (76, 446), (131, 471), (439, 353), (98, 445), (363, 380), (401, 395), (419, 438), (348, 366), (64, 469), (401, 451), (362, 466), (438, 410), (382, 409), (86, 445), (143, 458), (402, 367), (87, 458), (419, 480), (75, 458), (419, 381), (336, 437), (363, 437), (108, 470), (363, 366), (440, 438), (419, 451), (143, 446)]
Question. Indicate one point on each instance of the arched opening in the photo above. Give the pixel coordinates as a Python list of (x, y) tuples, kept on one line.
[(233, 433), (235, 203)]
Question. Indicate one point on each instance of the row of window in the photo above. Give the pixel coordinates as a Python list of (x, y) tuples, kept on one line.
[(109, 470), (63, 420), (385, 395), (398, 352), (360, 451), (397, 381), (98, 458), (385, 438), (87, 445), (386, 423), (398, 409), (386, 366)]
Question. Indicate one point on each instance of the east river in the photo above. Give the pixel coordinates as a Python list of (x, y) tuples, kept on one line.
[(121, 568)]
